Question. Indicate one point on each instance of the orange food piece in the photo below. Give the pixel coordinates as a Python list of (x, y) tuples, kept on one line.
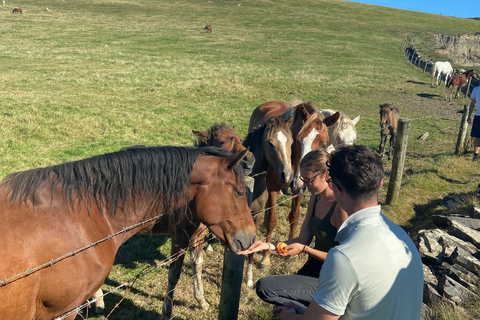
[(281, 247)]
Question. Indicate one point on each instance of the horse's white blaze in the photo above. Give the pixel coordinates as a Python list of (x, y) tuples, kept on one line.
[(282, 138), (305, 147)]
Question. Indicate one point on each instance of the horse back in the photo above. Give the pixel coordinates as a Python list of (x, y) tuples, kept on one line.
[(266, 110)]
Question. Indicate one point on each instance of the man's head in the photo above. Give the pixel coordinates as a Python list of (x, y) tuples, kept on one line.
[(358, 171)]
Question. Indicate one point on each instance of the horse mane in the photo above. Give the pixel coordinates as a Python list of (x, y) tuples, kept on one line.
[(139, 177), (315, 116), (294, 106)]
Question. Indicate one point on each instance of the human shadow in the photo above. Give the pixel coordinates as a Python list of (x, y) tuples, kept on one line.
[(428, 96)]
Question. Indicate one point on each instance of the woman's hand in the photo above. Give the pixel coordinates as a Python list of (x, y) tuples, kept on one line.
[(292, 249), (257, 246)]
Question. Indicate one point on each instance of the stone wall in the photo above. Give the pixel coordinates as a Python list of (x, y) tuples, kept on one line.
[(451, 260), (462, 49)]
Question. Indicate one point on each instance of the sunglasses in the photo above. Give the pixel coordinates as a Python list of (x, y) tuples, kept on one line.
[(309, 182)]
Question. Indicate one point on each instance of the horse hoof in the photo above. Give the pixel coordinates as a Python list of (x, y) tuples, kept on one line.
[(204, 305), (209, 248)]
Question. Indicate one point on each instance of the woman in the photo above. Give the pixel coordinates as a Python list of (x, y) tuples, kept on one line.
[(322, 220)]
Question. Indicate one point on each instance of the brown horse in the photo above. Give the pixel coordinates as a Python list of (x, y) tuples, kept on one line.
[(308, 128), (208, 28), (458, 81), (389, 115), (50, 212), (17, 10)]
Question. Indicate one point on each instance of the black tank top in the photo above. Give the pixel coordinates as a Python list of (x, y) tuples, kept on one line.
[(324, 233)]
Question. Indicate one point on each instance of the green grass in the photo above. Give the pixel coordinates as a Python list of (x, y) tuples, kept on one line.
[(90, 77)]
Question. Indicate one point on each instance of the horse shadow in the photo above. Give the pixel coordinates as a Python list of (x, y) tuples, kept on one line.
[(141, 248), (415, 82), (427, 95)]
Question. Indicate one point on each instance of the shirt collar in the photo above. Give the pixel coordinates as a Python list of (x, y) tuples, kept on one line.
[(362, 217)]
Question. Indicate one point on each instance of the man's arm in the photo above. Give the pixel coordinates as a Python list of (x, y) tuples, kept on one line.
[(470, 110)]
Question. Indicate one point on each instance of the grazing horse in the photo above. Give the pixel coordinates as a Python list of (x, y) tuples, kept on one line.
[(458, 81), (308, 129), (389, 115), (17, 10), (441, 68), (208, 29), (343, 132), (53, 268)]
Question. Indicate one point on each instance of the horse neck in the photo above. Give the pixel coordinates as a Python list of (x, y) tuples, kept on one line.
[(255, 140)]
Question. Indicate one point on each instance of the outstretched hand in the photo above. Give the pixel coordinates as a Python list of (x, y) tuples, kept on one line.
[(292, 250), (257, 246)]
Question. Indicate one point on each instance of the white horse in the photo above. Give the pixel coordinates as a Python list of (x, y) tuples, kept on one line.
[(343, 132), (440, 68)]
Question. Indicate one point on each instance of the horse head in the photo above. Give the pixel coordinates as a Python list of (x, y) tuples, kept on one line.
[(312, 135), (219, 198), (277, 148)]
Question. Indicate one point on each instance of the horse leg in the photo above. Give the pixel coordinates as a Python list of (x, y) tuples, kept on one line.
[(270, 222), (179, 242), (383, 141), (294, 214), (99, 303), (392, 145), (196, 255)]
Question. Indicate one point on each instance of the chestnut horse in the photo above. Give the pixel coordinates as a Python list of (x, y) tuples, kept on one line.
[(69, 206), (309, 132), (17, 10), (343, 132), (458, 81), (389, 115)]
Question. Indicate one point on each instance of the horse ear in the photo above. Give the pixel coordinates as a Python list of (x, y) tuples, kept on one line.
[(355, 121), (236, 158), (202, 135), (289, 121), (271, 122), (303, 113), (331, 120)]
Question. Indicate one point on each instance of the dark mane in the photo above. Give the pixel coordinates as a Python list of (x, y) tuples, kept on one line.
[(145, 178), (213, 128)]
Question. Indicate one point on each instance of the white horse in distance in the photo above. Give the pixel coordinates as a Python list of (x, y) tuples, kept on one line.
[(343, 132), (440, 68)]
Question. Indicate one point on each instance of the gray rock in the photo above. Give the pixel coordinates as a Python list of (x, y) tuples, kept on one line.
[(453, 290), (462, 258), (446, 221), (464, 233)]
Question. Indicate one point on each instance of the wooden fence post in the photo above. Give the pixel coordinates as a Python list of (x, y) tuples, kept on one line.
[(232, 275), (462, 133), (398, 161), (468, 87)]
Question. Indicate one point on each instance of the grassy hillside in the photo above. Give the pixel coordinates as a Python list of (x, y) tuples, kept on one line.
[(89, 77)]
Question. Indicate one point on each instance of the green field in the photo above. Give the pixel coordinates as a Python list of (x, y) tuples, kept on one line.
[(90, 77)]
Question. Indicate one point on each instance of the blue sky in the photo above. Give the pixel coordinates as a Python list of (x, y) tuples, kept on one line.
[(459, 8)]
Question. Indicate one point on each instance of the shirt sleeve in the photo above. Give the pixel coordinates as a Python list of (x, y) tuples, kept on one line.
[(338, 283)]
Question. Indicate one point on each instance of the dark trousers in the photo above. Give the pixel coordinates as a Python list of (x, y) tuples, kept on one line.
[(287, 288)]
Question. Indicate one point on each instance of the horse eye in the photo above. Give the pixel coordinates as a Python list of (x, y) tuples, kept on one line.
[(220, 143), (241, 193)]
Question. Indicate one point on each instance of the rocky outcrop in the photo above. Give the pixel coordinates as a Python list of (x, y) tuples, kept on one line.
[(462, 49), (451, 261)]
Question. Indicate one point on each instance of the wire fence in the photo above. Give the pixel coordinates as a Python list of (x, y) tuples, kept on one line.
[(130, 283)]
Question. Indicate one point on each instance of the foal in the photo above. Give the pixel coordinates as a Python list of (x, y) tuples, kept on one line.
[(389, 115), (458, 80)]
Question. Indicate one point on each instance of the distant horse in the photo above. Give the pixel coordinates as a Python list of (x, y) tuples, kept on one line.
[(458, 81), (208, 28), (343, 132), (441, 68), (69, 206), (308, 129), (389, 115), (17, 10)]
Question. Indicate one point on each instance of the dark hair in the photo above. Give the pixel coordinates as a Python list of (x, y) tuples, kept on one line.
[(358, 170), (315, 161)]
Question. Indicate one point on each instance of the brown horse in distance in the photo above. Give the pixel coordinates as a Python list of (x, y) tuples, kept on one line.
[(208, 28), (72, 205), (17, 10), (389, 116), (458, 81)]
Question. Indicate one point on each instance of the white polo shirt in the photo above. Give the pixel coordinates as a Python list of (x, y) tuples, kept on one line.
[(375, 273)]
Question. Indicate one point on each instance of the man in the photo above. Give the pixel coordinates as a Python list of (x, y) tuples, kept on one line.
[(375, 272), (476, 122)]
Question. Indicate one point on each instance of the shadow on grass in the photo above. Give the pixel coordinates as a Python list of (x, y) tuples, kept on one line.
[(428, 96), (140, 248)]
